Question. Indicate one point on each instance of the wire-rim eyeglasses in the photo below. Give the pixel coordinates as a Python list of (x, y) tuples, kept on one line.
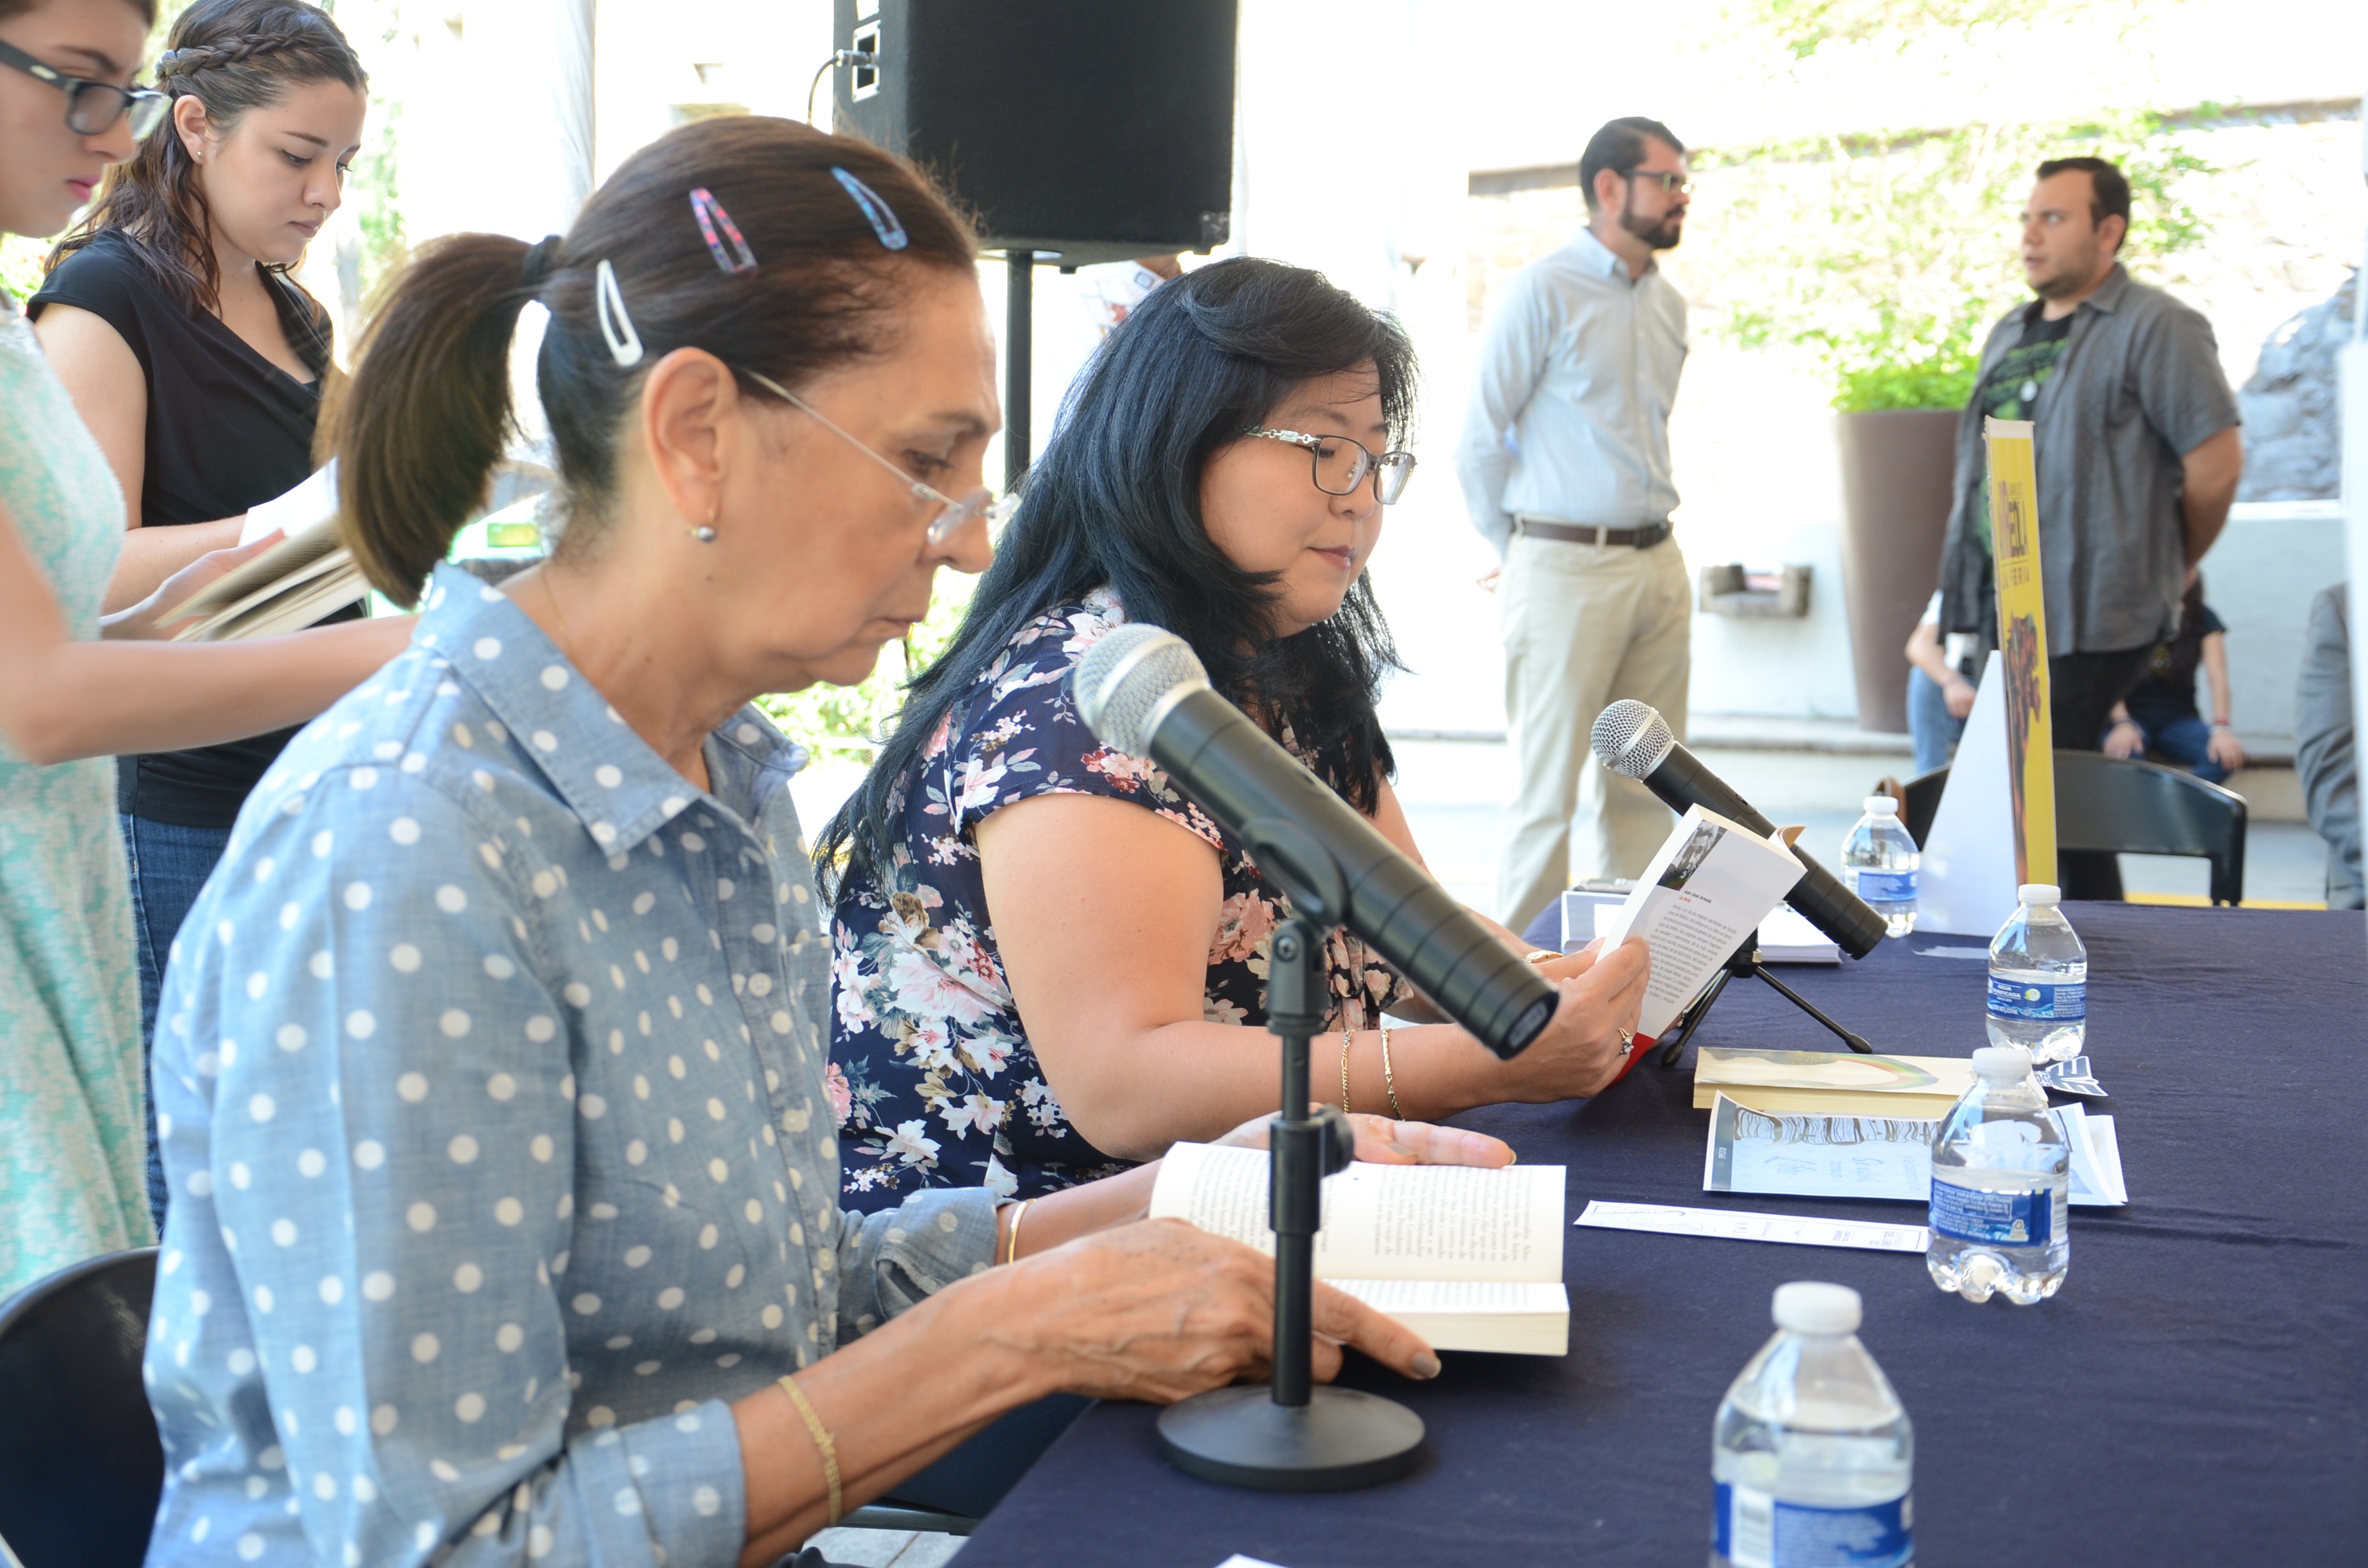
[(979, 503), (1390, 470)]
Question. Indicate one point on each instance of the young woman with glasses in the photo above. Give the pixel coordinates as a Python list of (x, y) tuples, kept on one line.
[(78, 685), (198, 364), (1047, 962), (505, 1221)]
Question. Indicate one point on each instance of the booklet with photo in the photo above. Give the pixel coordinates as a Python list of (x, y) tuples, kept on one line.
[(1877, 1156), (305, 576), (1702, 895), (1471, 1259)]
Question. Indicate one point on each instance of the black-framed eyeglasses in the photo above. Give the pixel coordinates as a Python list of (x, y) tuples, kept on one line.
[(1671, 181), (1343, 464), (91, 107)]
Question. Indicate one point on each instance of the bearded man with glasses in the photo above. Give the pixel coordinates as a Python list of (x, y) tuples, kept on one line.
[(1564, 463)]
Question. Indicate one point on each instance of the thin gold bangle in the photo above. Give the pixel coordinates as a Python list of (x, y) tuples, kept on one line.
[(1389, 1078), (823, 1445), (1344, 1038), (1011, 1238)]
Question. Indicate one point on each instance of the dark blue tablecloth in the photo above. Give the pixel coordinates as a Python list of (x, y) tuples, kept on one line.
[(2198, 1394)]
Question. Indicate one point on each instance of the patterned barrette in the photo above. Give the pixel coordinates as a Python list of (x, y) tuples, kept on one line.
[(883, 217), (712, 217)]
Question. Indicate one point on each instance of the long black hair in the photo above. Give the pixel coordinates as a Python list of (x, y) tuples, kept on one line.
[(1115, 501)]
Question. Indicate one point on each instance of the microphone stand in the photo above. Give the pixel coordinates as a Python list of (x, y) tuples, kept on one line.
[(1745, 961), (1293, 1434)]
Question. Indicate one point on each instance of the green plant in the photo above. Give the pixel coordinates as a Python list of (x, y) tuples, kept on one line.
[(1884, 258), (1804, 27), (851, 720)]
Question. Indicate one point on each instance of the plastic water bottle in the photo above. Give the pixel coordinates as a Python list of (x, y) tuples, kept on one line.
[(2039, 979), (1813, 1457), (1879, 862), (2001, 1179)]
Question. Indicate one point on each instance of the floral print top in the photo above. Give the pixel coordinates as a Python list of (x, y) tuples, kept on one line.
[(932, 1076)]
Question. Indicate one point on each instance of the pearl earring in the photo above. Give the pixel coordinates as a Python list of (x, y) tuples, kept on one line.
[(705, 533)]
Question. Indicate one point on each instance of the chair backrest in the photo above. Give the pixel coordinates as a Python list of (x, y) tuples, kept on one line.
[(2125, 807), (81, 1468)]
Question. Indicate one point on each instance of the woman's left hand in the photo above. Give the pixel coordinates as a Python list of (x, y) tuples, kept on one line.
[(153, 617), (1381, 1142)]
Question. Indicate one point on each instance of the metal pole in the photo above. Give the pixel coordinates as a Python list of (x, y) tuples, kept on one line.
[(1018, 372), (1295, 1200)]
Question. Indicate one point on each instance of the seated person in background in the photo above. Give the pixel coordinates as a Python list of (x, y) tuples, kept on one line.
[(2159, 715), (491, 1075), (1047, 961), (1941, 688), (2327, 760)]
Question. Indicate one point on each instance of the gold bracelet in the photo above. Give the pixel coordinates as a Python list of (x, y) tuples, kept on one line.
[(1389, 1079), (823, 1445), (1011, 1239), (1344, 1038)]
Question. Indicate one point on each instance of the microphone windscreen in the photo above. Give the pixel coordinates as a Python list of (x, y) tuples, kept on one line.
[(1630, 738), (1128, 680)]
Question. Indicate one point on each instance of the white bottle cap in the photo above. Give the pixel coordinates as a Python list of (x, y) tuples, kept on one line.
[(2001, 1063), (1807, 1307), (1881, 806), (2040, 892)]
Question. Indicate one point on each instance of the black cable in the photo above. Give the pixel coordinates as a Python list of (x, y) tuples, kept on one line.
[(856, 58)]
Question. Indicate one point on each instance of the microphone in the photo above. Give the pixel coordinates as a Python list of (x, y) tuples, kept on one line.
[(1631, 739), (1142, 690)]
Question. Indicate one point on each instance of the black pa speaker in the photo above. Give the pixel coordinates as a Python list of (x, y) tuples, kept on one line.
[(1098, 128)]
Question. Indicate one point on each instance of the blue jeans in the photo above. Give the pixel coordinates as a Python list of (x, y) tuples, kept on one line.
[(169, 865), (1930, 725), (2185, 739)]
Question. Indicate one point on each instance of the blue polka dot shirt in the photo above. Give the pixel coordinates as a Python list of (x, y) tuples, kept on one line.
[(490, 1087)]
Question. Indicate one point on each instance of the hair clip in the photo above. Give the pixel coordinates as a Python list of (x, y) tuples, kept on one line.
[(608, 305), (883, 217), (712, 216)]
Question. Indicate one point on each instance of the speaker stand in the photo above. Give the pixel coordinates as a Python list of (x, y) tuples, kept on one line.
[(1018, 366), (1295, 1436)]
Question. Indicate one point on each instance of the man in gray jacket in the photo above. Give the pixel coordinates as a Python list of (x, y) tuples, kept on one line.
[(2137, 452)]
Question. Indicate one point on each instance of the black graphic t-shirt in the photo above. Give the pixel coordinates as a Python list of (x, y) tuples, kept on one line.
[(2011, 389)]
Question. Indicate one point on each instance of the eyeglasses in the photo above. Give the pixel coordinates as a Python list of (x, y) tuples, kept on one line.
[(91, 107), (1671, 182), (979, 503), (1341, 464)]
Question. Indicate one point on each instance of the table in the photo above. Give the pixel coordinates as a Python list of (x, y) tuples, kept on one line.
[(2195, 1394)]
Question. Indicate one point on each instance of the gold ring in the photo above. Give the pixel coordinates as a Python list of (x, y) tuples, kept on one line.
[(1539, 955)]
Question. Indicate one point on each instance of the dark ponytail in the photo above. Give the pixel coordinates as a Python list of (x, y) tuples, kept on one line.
[(422, 421)]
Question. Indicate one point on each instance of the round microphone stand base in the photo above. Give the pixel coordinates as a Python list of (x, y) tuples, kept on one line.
[(1339, 1440)]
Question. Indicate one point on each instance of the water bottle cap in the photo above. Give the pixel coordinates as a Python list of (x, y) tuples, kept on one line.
[(2002, 1063), (1879, 806), (2040, 892), (1806, 1306)]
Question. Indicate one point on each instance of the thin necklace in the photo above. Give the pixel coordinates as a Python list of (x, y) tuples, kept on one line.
[(567, 638)]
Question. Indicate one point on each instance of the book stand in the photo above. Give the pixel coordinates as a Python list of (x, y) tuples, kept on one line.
[(1293, 1436), (1745, 961)]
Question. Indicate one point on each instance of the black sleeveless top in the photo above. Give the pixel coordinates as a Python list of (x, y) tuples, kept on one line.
[(227, 429)]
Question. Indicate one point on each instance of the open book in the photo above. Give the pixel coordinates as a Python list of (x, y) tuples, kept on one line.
[(1702, 895), (1471, 1259), (305, 576)]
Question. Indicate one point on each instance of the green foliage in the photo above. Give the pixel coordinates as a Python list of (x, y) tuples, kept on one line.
[(20, 265), (851, 720), (1802, 27), (1885, 259), (375, 190)]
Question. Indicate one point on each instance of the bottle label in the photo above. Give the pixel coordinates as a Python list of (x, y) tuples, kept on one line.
[(1753, 1529), (1887, 887), (2057, 1004), (2001, 1219)]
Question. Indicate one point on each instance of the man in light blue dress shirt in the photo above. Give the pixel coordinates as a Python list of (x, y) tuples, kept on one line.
[(1566, 466)]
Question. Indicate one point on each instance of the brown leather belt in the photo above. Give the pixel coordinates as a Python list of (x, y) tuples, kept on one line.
[(1643, 537)]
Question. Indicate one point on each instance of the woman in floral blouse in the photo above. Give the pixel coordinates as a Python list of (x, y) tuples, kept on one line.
[(1048, 963)]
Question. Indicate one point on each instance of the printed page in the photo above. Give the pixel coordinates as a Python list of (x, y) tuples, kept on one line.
[(1455, 1223), (295, 510), (1818, 1156), (1740, 1225), (1703, 896), (1523, 1318)]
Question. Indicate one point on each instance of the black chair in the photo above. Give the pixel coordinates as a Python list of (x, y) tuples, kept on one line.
[(2113, 805), (80, 1465)]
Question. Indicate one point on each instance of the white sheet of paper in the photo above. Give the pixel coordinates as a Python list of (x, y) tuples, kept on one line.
[(1730, 1224), (1238, 1561), (296, 509)]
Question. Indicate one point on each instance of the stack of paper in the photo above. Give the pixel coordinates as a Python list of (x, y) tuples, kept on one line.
[(1785, 936), (307, 575)]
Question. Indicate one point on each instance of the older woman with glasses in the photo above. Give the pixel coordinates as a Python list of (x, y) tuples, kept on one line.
[(490, 1072), (1047, 962)]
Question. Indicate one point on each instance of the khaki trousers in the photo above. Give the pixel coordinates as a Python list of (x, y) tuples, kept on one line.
[(1585, 626)]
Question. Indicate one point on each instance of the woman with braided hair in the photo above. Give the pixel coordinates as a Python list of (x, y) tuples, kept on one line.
[(198, 364), (78, 685)]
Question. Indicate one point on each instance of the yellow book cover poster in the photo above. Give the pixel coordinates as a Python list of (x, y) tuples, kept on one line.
[(2023, 636)]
